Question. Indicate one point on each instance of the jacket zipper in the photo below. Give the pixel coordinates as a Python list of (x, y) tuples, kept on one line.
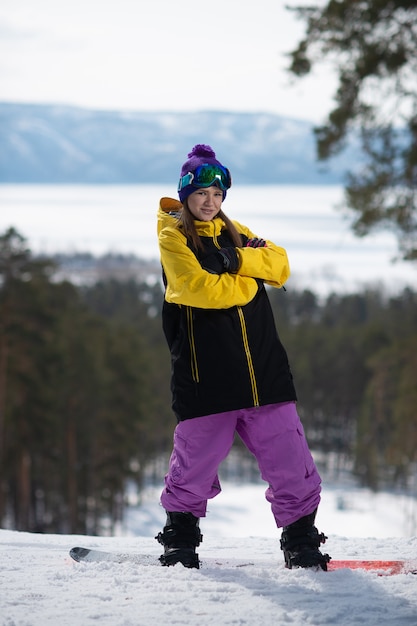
[(248, 357), (190, 329), (193, 353)]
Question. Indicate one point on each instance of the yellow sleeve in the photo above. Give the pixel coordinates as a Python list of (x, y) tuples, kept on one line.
[(190, 285), (269, 263)]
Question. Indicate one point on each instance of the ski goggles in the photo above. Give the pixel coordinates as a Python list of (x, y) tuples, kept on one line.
[(207, 175)]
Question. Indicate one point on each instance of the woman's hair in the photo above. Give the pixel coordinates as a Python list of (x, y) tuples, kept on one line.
[(187, 225)]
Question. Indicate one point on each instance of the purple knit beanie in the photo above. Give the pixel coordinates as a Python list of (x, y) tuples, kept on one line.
[(199, 155)]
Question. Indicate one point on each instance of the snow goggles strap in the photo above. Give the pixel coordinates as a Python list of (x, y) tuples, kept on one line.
[(207, 175)]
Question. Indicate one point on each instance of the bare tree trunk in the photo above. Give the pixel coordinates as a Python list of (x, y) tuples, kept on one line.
[(23, 491), (3, 379), (72, 488)]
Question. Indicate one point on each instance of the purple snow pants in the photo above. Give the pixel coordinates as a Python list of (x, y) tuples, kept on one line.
[(274, 435)]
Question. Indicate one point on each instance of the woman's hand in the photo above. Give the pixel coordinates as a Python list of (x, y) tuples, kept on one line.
[(224, 260), (255, 242)]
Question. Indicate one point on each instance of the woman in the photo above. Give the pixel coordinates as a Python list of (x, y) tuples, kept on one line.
[(230, 372)]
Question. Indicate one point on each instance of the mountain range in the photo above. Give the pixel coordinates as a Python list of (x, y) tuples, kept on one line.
[(54, 144)]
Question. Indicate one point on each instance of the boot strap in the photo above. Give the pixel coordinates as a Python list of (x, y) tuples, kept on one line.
[(174, 534), (307, 537)]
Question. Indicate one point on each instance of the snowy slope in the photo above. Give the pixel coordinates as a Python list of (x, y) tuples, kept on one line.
[(40, 584)]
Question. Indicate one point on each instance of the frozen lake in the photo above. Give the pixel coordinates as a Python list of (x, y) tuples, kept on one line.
[(323, 253)]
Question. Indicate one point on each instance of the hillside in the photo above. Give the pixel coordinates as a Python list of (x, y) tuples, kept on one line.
[(62, 144), (41, 585)]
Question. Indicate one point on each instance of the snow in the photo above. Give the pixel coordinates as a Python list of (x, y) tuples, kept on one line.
[(40, 584)]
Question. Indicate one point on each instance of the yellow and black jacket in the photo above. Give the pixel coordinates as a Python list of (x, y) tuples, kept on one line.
[(225, 350)]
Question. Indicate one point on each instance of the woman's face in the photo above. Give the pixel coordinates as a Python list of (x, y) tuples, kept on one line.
[(205, 203)]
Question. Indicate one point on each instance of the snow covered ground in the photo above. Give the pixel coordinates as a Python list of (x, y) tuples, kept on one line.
[(40, 584)]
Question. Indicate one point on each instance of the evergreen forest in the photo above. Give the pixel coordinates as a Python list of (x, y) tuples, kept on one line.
[(85, 405)]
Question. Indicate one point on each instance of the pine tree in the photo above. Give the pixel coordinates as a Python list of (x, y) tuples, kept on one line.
[(373, 46)]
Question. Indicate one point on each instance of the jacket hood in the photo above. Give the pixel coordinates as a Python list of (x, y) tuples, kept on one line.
[(170, 210)]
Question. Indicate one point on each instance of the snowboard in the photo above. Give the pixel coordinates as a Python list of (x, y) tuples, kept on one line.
[(380, 567)]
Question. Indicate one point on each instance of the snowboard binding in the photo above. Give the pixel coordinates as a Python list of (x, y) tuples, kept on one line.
[(300, 543), (180, 537)]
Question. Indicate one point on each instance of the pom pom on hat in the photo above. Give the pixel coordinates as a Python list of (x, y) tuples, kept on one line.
[(199, 155)]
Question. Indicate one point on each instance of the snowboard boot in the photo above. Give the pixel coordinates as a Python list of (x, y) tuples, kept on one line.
[(300, 543), (180, 537)]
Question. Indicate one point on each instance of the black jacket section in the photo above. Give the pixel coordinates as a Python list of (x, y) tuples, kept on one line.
[(225, 359)]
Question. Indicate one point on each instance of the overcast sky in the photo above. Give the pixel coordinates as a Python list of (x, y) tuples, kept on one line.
[(156, 55)]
